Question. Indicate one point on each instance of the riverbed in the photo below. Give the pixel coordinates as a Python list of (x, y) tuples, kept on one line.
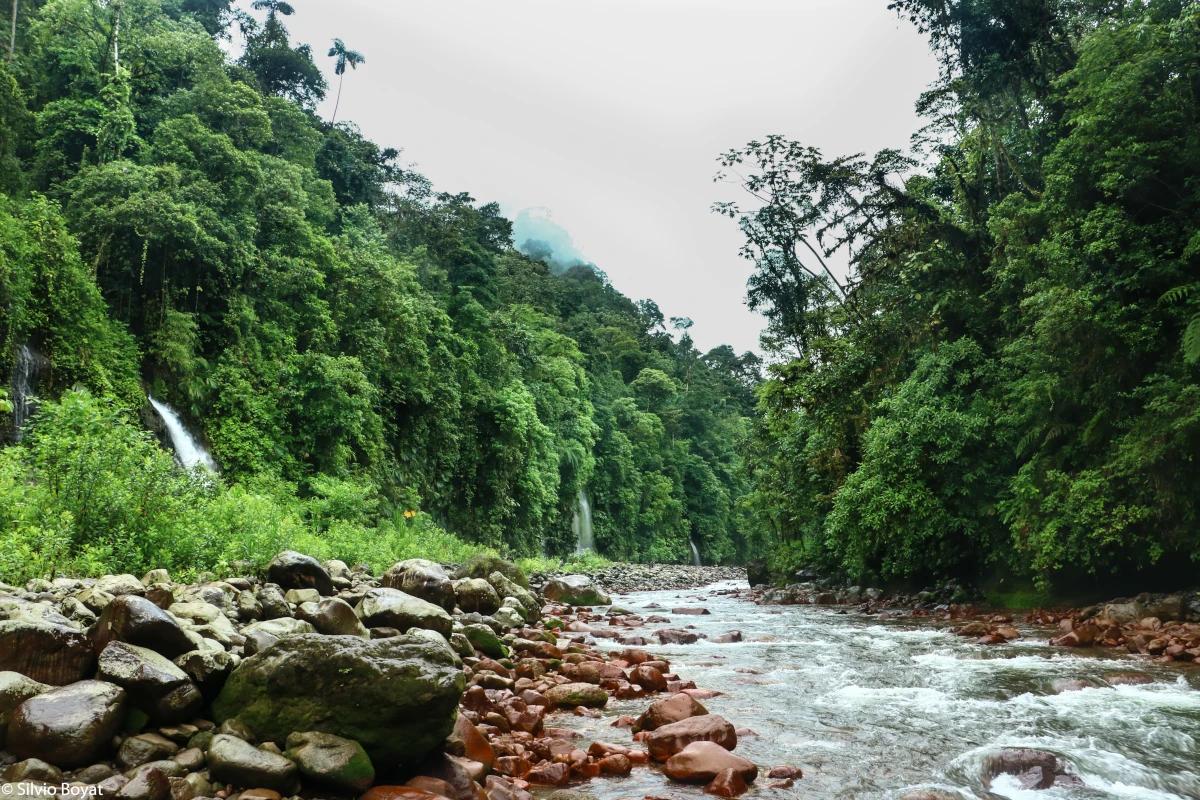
[(871, 707)]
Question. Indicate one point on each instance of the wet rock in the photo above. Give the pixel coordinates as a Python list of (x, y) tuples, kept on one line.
[(331, 760), (400, 793), (485, 640), (271, 603), (575, 590), (727, 638), (206, 668), (137, 621), (676, 636), (1035, 769), (648, 678), (154, 683), (506, 587), (231, 760), (482, 566), (146, 784), (570, 695), (292, 570), (15, 689), (467, 742), (69, 726), (333, 616), (392, 608), (422, 578), (120, 585), (727, 783), (667, 740), (397, 696), (667, 710), (45, 651), (476, 594), (32, 769), (144, 748), (701, 762)]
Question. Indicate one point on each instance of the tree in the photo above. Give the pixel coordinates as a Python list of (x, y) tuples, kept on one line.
[(345, 57)]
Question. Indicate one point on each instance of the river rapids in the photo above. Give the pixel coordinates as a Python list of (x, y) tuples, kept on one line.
[(871, 707)]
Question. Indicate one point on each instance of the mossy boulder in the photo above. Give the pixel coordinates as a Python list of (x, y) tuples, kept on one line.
[(331, 760), (397, 697), (570, 695), (482, 566), (575, 590), (485, 640)]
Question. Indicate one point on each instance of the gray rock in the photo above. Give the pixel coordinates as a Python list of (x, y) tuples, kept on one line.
[(207, 668), (155, 684), (144, 748), (136, 620), (119, 585), (156, 576), (32, 769), (147, 784), (234, 761), (476, 594), (575, 590), (69, 726), (292, 570), (297, 596), (15, 689), (398, 697), (508, 617), (506, 587), (421, 578), (392, 608), (45, 650), (331, 760), (333, 616), (271, 603)]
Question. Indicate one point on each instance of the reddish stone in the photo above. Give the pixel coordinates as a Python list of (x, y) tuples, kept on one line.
[(787, 772), (667, 710), (667, 740), (701, 762), (400, 793), (727, 783), (549, 774), (648, 677), (615, 764)]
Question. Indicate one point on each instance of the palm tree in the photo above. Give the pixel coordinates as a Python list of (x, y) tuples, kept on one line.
[(345, 58)]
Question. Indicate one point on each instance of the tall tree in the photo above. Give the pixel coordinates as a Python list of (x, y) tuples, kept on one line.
[(345, 58)]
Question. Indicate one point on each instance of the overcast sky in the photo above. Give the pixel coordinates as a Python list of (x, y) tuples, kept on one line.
[(610, 114)]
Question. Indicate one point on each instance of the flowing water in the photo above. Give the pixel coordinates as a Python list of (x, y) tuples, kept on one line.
[(581, 524), (695, 553), (27, 367), (188, 449), (871, 707)]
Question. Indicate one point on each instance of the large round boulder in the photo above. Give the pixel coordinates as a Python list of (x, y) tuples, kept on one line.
[(69, 726), (421, 578), (15, 689), (667, 740), (482, 566), (392, 608), (155, 684), (666, 710), (331, 760), (575, 590), (397, 696), (133, 619), (476, 594), (293, 570), (700, 762), (45, 651)]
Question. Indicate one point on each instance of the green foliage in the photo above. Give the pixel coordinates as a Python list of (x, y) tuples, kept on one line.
[(999, 385), (372, 363)]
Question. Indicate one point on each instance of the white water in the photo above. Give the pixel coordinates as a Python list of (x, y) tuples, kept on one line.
[(581, 524), (28, 365), (188, 450), (871, 708), (695, 553)]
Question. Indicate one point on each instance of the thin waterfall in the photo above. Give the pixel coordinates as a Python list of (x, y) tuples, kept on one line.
[(695, 553), (28, 366), (581, 524), (188, 450)]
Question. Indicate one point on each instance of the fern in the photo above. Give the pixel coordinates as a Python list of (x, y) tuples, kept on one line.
[(1191, 340), (1179, 293)]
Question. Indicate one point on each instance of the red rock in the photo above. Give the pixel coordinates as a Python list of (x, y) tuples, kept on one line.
[(667, 710), (549, 774), (467, 741), (434, 786), (624, 721), (728, 783), (616, 764), (693, 611), (676, 636), (667, 740), (400, 793), (648, 677), (701, 762), (785, 771)]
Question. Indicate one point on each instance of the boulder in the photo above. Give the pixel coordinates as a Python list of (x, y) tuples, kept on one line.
[(482, 566), (333, 616), (701, 762), (571, 695), (144, 748), (421, 578), (136, 620), (575, 590), (392, 608), (120, 585), (397, 696), (155, 684), (292, 570), (668, 710), (507, 587), (15, 689), (1035, 769), (207, 668), (240, 763), (667, 740), (485, 640), (69, 726), (476, 594), (45, 651), (331, 760), (727, 783), (758, 573)]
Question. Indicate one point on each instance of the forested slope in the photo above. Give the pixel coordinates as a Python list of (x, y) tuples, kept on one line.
[(371, 362), (1006, 383)]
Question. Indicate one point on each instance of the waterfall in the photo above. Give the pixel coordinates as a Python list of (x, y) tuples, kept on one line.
[(581, 524), (695, 552), (188, 450), (28, 366)]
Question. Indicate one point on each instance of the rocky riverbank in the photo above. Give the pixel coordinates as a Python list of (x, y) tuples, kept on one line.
[(318, 680), (622, 578)]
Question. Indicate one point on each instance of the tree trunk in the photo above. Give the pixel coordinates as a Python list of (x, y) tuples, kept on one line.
[(338, 101)]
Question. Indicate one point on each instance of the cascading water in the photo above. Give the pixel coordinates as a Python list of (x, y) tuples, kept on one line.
[(581, 524), (695, 553), (28, 365), (188, 450)]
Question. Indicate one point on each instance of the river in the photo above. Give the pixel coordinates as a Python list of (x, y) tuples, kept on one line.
[(869, 707)]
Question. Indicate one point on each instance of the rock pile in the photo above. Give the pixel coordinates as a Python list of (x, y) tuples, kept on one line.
[(325, 681), (1166, 627), (625, 578)]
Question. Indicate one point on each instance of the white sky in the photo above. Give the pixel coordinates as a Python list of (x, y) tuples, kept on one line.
[(611, 113)]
